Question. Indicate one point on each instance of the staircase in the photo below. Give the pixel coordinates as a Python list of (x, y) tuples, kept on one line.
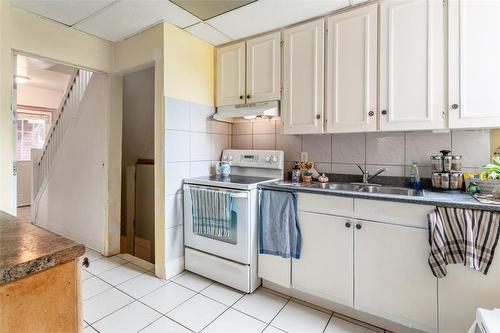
[(43, 160)]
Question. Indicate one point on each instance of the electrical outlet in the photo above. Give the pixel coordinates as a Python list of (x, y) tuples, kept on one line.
[(303, 157)]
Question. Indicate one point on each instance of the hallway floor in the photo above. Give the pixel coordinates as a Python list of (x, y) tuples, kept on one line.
[(24, 214), (121, 294)]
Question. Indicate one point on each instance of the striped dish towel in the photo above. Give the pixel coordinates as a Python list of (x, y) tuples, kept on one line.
[(465, 236), (211, 211)]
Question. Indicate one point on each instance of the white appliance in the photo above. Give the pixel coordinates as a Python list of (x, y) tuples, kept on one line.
[(487, 321), (245, 112), (233, 261)]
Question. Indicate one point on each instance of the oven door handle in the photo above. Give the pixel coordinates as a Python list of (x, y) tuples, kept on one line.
[(239, 195)]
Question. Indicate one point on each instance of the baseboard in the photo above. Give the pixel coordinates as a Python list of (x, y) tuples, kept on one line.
[(174, 267)]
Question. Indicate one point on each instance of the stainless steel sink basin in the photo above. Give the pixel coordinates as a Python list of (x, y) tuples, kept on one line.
[(338, 186), (389, 190)]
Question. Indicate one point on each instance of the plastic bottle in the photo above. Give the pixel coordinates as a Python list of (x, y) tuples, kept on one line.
[(415, 181)]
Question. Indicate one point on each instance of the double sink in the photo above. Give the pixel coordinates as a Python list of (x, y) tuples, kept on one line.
[(366, 188)]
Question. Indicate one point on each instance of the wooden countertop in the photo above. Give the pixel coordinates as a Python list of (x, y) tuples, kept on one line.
[(26, 249)]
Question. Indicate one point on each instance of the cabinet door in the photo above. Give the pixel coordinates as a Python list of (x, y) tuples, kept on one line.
[(231, 74), (264, 68), (325, 267), (392, 277), (351, 95), (411, 65), (303, 78), (474, 66)]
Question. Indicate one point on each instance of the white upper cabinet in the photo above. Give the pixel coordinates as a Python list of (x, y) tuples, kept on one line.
[(264, 68), (231, 74), (474, 64), (411, 65), (326, 259), (303, 79), (351, 88)]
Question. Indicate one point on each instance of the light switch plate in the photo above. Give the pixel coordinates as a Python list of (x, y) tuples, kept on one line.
[(303, 156)]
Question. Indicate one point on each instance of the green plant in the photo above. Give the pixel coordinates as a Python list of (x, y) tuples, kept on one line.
[(493, 169)]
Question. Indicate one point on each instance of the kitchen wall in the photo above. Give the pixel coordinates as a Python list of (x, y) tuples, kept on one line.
[(338, 153)]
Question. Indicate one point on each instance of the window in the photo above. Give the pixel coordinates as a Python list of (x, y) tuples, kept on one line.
[(32, 127)]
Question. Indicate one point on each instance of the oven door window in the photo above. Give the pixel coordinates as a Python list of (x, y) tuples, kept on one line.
[(234, 231)]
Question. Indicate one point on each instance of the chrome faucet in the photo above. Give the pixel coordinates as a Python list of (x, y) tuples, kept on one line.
[(366, 175)]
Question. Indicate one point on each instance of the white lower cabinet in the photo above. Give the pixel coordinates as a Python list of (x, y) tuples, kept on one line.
[(392, 277), (325, 265)]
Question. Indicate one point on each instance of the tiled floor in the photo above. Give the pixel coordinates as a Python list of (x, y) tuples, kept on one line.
[(121, 294)]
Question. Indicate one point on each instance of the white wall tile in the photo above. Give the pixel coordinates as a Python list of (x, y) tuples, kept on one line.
[(177, 146), (177, 115), (348, 148), (290, 144), (173, 210), (385, 148), (219, 143), (318, 147), (474, 146), (242, 128), (175, 173), (174, 242), (200, 146), (421, 145), (264, 141), (201, 168), (201, 117), (241, 141), (264, 127)]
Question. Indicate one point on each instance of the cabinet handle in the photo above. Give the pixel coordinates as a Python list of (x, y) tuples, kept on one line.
[(248, 96), (318, 116), (85, 262), (384, 112), (358, 226), (371, 113), (454, 106), (241, 97), (347, 225)]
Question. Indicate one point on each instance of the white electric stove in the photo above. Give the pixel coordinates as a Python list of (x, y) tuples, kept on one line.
[(232, 261)]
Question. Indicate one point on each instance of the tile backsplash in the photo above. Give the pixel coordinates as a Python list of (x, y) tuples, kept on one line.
[(338, 153)]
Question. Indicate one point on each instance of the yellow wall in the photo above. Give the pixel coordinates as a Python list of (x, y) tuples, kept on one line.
[(189, 67), (27, 33), (495, 140)]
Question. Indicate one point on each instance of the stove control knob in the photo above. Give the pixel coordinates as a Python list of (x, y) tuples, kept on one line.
[(275, 159), (268, 159), (230, 157)]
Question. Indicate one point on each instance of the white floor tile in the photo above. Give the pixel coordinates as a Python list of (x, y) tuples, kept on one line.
[(141, 285), (131, 318), (89, 329), (197, 312), (103, 304), (298, 318), (85, 275), (143, 263), (271, 329), (121, 274), (223, 294), (104, 264), (165, 325), (261, 304), (93, 286), (92, 255), (167, 297), (234, 321), (337, 325), (193, 281)]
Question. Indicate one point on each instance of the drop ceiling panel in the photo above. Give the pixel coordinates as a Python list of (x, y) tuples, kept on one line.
[(265, 15), (206, 9), (125, 18), (67, 12), (208, 34)]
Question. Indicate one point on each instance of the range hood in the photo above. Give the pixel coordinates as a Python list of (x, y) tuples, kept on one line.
[(246, 112)]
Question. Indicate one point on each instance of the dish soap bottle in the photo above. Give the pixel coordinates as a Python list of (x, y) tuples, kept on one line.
[(415, 181), (296, 173)]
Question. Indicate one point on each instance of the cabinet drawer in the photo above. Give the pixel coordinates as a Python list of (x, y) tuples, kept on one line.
[(392, 212), (325, 204)]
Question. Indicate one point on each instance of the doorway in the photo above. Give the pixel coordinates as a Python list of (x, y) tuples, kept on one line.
[(137, 212)]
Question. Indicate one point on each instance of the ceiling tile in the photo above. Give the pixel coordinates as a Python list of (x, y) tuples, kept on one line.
[(67, 12), (206, 9), (208, 33), (265, 15), (125, 18)]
